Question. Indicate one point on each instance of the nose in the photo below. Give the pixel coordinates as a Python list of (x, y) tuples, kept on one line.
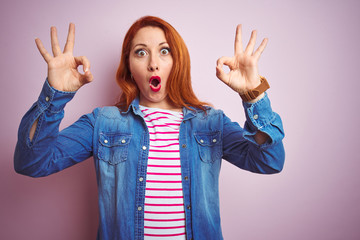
[(153, 64), (153, 68)]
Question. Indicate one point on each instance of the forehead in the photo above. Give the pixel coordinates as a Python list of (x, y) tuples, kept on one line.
[(149, 36)]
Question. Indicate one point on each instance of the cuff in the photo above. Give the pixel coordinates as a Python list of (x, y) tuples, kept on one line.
[(258, 114), (260, 117), (52, 99)]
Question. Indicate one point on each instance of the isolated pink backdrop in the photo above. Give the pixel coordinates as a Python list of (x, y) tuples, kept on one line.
[(311, 62)]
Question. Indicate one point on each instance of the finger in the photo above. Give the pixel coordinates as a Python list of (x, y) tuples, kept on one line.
[(82, 60), (261, 48), (238, 40), (250, 47), (70, 41), (47, 57), (85, 78), (220, 73), (54, 42), (228, 61)]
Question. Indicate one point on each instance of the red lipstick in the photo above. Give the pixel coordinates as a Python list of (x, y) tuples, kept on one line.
[(155, 83)]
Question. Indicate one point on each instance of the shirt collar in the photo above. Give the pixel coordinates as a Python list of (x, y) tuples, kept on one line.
[(188, 113)]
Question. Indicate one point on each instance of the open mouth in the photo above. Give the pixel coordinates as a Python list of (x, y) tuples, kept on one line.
[(155, 83)]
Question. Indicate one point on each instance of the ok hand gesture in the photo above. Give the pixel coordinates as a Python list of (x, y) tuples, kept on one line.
[(243, 75), (63, 74)]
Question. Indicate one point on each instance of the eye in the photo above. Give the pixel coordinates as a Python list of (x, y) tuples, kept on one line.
[(165, 51), (140, 52)]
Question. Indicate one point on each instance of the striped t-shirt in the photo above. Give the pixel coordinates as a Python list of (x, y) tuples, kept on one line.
[(164, 213)]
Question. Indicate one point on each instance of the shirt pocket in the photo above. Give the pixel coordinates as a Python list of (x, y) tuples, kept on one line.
[(209, 145), (113, 147)]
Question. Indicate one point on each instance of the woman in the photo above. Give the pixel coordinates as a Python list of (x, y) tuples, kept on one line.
[(158, 153)]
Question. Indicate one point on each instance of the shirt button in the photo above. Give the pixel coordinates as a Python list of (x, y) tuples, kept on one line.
[(123, 141), (202, 141), (47, 99), (141, 179), (186, 178), (144, 147), (139, 208), (188, 207), (214, 140), (184, 145), (106, 141), (256, 116)]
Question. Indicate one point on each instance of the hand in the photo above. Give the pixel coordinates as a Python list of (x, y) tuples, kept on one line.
[(63, 74), (243, 75)]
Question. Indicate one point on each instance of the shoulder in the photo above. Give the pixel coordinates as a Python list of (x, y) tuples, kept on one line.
[(110, 119), (209, 112), (107, 112)]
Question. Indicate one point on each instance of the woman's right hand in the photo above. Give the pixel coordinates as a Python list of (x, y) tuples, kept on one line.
[(63, 74)]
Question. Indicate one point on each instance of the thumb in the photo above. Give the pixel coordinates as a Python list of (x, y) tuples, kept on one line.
[(82, 60), (220, 73)]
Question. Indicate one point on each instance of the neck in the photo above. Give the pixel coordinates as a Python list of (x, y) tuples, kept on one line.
[(165, 104)]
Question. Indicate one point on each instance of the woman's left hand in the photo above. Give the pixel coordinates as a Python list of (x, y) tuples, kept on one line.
[(243, 75)]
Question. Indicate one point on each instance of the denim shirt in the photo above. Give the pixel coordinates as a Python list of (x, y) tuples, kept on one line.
[(119, 144)]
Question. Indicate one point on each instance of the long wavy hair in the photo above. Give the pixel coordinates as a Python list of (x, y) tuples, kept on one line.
[(179, 89)]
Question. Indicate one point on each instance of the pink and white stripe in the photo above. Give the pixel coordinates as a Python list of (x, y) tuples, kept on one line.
[(164, 212)]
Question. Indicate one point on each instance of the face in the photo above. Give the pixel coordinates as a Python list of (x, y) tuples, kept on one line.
[(150, 65)]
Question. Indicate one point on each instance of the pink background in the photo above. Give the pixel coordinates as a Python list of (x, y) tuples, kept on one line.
[(311, 62)]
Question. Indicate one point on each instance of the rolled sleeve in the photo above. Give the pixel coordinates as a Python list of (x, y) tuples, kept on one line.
[(260, 117), (49, 150), (52, 99)]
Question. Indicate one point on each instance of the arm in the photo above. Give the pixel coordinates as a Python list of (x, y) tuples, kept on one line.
[(240, 146), (39, 139), (49, 150), (258, 147), (243, 75), (63, 74)]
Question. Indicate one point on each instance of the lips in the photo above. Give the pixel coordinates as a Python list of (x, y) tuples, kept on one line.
[(155, 83)]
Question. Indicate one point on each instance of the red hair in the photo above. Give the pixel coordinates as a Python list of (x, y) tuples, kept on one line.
[(178, 87)]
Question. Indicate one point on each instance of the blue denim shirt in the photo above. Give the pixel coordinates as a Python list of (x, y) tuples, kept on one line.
[(119, 143)]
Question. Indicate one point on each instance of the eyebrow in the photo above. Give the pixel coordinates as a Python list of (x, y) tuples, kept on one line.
[(144, 45)]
